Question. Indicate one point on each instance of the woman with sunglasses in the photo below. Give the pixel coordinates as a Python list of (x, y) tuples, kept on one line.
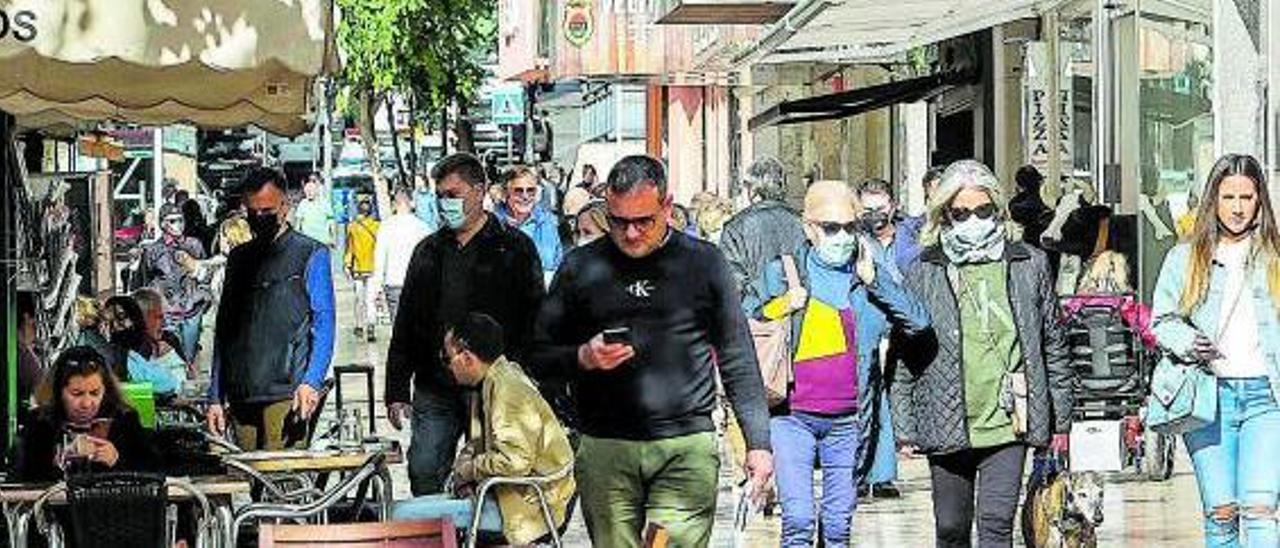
[(82, 424), (990, 378), (844, 303), (1215, 305)]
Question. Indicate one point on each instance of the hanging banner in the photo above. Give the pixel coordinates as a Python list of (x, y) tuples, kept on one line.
[(1037, 127)]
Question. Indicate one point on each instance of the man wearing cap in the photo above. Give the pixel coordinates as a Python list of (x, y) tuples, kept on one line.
[(160, 269)]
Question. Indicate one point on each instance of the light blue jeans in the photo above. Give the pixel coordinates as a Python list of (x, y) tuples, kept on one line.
[(1235, 463), (457, 510), (799, 441)]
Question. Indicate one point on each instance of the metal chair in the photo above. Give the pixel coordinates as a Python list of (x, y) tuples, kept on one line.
[(317, 507), (125, 509), (537, 483)]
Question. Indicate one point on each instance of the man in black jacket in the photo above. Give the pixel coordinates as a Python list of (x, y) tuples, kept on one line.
[(645, 393), (473, 264), (765, 229)]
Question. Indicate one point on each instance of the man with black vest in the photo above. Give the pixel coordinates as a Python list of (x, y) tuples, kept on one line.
[(275, 329), (474, 263)]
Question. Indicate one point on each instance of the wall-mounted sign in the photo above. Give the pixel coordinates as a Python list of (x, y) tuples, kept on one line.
[(579, 22)]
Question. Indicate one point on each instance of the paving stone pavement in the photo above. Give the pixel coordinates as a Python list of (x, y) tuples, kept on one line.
[(1144, 514)]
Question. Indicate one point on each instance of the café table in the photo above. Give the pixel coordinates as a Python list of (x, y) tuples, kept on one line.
[(321, 463), (18, 500)]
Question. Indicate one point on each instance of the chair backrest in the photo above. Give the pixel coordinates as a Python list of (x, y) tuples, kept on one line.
[(422, 533), (122, 509)]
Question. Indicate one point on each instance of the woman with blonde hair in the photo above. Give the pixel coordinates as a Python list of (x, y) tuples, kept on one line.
[(1105, 284), (1215, 305), (990, 378)]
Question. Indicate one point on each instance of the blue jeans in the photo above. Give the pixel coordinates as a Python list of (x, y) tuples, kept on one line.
[(797, 439), (1235, 462), (188, 332), (437, 425), (878, 450), (457, 510)]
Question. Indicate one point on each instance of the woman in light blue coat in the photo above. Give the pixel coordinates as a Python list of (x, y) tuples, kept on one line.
[(1215, 306)]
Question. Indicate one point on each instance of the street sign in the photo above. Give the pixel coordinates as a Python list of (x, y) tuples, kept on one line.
[(507, 105)]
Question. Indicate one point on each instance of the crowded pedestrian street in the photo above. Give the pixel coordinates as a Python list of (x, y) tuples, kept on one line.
[(639, 273)]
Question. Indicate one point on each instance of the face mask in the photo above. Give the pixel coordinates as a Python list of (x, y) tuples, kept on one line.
[(453, 212), (875, 220), (174, 227), (837, 249), (973, 240), (263, 226)]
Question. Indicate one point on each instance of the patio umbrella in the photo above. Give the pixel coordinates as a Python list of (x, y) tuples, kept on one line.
[(212, 63)]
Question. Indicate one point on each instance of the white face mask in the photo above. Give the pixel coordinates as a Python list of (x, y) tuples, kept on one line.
[(973, 240), (836, 249)]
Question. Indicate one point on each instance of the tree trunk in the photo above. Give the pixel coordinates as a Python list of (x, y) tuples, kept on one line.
[(369, 137), (444, 129), (466, 141), (395, 141)]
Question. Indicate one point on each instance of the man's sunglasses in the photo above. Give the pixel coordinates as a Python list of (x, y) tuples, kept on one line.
[(644, 224), (960, 214), (831, 228)]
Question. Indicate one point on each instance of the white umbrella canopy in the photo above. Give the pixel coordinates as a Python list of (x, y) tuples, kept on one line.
[(212, 63)]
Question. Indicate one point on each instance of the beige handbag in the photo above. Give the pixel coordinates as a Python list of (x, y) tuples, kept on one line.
[(773, 345)]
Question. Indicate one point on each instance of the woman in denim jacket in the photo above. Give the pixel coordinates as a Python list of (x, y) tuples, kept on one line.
[(1216, 304)]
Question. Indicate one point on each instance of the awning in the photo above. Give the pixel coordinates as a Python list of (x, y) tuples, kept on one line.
[(725, 12), (212, 63), (836, 31), (858, 101)]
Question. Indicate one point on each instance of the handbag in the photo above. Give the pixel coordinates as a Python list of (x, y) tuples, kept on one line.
[(773, 345), (1184, 398), (1013, 398)]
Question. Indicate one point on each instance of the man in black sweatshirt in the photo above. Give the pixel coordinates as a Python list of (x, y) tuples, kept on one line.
[(645, 390)]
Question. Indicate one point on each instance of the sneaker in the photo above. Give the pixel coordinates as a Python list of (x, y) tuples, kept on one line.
[(359, 331), (373, 335), (886, 490), (864, 492)]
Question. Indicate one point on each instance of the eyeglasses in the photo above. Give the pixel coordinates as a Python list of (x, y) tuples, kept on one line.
[(643, 224), (960, 214), (261, 212), (830, 228), (528, 191)]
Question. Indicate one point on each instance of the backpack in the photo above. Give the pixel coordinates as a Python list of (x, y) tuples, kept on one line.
[(772, 341)]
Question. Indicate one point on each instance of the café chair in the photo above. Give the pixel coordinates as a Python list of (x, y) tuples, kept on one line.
[(424, 533), (315, 508), (539, 484), (120, 509)]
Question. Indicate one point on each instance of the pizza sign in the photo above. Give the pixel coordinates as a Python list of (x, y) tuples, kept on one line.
[(579, 22)]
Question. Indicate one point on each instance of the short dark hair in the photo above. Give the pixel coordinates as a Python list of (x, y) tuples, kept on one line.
[(933, 174), (479, 334), (1029, 178), (465, 165), (875, 186), (632, 171), (258, 177)]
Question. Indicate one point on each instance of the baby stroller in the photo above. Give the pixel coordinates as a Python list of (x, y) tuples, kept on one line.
[(1114, 369)]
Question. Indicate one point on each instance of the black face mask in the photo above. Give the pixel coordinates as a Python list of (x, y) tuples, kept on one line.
[(264, 226), (875, 220)]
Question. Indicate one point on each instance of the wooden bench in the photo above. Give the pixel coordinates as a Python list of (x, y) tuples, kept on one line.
[(436, 533)]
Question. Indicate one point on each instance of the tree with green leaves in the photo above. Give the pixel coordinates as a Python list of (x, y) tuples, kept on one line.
[(432, 51)]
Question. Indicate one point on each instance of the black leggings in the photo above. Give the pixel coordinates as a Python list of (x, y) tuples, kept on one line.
[(997, 472)]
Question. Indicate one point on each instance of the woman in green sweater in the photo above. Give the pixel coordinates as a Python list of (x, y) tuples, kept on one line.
[(990, 378)]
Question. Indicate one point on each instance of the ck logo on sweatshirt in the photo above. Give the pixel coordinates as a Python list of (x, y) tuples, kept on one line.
[(640, 289)]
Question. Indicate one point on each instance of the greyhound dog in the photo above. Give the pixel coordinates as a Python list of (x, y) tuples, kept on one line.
[(1064, 511)]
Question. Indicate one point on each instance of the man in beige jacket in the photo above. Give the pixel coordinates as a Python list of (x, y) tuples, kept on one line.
[(512, 433)]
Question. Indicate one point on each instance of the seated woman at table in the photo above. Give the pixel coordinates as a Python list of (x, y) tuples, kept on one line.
[(82, 424), (147, 359), (512, 433)]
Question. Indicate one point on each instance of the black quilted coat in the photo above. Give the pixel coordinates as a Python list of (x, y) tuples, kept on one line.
[(928, 388)]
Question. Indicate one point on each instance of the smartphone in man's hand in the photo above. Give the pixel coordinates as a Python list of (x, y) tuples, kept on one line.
[(617, 335)]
